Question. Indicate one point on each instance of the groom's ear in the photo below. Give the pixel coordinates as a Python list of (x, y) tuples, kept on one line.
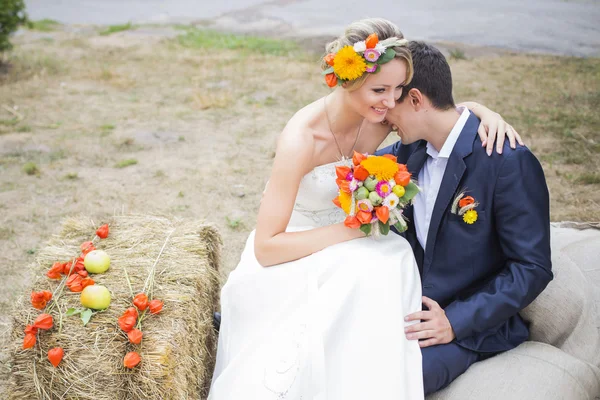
[(415, 97)]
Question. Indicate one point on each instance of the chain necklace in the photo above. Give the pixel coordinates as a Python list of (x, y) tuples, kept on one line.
[(342, 155)]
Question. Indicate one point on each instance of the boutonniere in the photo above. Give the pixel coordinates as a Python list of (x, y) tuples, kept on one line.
[(465, 207)]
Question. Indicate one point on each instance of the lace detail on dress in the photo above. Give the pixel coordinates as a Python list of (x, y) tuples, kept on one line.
[(284, 362), (314, 204)]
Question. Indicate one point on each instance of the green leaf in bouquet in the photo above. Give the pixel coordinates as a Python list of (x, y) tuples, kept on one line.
[(86, 315), (72, 311), (387, 56), (366, 228), (328, 71), (384, 229), (411, 191)]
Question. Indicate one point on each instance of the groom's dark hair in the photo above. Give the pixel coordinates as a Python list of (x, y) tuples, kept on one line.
[(432, 76)]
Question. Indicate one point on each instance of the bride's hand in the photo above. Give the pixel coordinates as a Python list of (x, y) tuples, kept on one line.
[(493, 127)]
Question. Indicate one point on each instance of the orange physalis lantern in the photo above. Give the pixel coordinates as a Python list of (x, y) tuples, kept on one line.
[(331, 80), (361, 173), (466, 201), (357, 158), (352, 222), (329, 59), (402, 178), (135, 336), (372, 41), (43, 321), (155, 306), (29, 341), (140, 301), (131, 359), (55, 356), (102, 232), (383, 213)]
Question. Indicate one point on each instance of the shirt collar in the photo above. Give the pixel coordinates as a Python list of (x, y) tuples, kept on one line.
[(448, 146)]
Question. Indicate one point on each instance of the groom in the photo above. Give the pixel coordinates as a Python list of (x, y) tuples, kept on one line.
[(483, 256)]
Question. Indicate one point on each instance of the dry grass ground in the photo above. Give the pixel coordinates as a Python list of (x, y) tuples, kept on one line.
[(103, 121)]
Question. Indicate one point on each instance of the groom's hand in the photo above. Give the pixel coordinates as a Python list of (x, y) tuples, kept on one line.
[(434, 327)]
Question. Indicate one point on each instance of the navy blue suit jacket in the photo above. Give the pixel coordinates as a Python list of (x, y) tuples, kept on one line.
[(485, 273)]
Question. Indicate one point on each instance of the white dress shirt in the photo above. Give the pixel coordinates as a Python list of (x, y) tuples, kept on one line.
[(430, 178)]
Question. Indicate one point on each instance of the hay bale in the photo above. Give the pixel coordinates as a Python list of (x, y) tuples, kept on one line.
[(179, 344)]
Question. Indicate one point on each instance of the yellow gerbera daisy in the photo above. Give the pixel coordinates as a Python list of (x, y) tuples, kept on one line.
[(348, 64), (345, 201), (470, 217), (383, 168)]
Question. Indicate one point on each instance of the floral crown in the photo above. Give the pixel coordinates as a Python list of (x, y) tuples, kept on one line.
[(351, 62)]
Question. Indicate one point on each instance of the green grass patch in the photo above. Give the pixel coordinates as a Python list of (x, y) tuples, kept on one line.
[(126, 163), (71, 176), (117, 28), (44, 25), (30, 168), (457, 54), (589, 179), (207, 39)]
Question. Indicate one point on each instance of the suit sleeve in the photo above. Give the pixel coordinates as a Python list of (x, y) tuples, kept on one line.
[(521, 213), (392, 149)]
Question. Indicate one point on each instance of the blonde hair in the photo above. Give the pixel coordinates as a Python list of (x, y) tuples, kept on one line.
[(359, 31)]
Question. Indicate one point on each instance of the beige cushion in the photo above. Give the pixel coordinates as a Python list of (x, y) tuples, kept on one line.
[(532, 371), (565, 315)]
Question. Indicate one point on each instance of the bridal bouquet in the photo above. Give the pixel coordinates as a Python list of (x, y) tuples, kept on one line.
[(374, 192)]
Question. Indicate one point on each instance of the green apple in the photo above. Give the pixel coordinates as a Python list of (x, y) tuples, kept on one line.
[(96, 261), (96, 297)]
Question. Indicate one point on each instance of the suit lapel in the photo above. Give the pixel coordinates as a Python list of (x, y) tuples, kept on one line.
[(452, 176)]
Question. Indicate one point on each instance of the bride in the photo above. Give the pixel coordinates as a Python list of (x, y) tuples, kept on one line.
[(315, 310)]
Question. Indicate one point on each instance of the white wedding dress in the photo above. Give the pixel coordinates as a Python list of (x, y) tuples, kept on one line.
[(329, 326)]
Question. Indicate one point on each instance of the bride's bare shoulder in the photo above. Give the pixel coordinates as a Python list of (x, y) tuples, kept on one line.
[(303, 127)]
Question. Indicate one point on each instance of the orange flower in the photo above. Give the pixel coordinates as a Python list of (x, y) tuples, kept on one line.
[(55, 271), (372, 41), (466, 201), (102, 232), (29, 341), (336, 201), (352, 222), (135, 336), (364, 217), (402, 167), (155, 306), (331, 80), (55, 356), (342, 171), (329, 59), (383, 213), (391, 157), (83, 274), (43, 321), (131, 359), (357, 158), (86, 247), (40, 299), (140, 301), (361, 173), (402, 178)]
